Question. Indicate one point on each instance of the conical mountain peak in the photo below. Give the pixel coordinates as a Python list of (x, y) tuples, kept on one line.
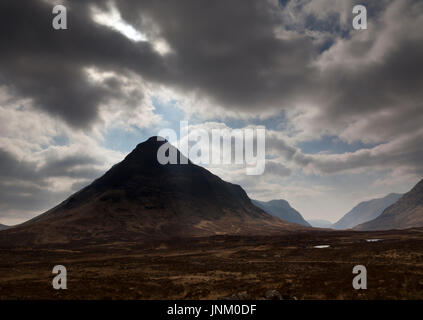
[(139, 198), (147, 153)]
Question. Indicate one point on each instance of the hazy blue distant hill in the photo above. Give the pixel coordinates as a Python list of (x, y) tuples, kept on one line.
[(366, 211), (3, 227), (406, 213), (282, 210), (320, 223)]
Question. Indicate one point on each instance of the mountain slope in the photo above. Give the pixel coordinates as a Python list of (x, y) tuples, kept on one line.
[(139, 198), (320, 223), (282, 210), (365, 211), (407, 212), (3, 227)]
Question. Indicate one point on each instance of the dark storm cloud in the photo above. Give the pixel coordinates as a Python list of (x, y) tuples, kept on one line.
[(223, 50), (24, 184), (228, 51), (404, 154), (12, 168), (72, 167), (30, 197), (391, 87), (47, 65)]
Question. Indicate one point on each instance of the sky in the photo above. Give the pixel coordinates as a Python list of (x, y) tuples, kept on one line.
[(342, 108)]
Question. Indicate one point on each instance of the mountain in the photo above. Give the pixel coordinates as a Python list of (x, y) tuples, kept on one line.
[(365, 211), (139, 198), (282, 210), (407, 212), (3, 227), (320, 223)]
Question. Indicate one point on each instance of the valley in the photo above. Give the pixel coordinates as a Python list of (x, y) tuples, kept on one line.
[(222, 266)]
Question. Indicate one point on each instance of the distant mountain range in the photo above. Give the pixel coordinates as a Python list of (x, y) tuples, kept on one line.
[(320, 223), (3, 227), (139, 198), (407, 212), (365, 211), (282, 210)]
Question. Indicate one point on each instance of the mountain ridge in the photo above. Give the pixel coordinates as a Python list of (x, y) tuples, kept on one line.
[(320, 223), (365, 211), (281, 209), (406, 213)]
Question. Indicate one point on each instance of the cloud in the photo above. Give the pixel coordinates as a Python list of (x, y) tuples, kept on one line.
[(30, 184), (263, 57), (242, 57), (370, 80), (43, 161), (402, 153), (228, 52), (48, 66)]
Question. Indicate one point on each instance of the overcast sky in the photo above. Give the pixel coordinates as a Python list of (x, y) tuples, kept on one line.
[(343, 108)]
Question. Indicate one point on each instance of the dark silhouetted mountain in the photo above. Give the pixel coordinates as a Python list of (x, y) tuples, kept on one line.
[(139, 198), (3, 227), (407, 212), (365, 211), (282, 210), (320, 223)]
